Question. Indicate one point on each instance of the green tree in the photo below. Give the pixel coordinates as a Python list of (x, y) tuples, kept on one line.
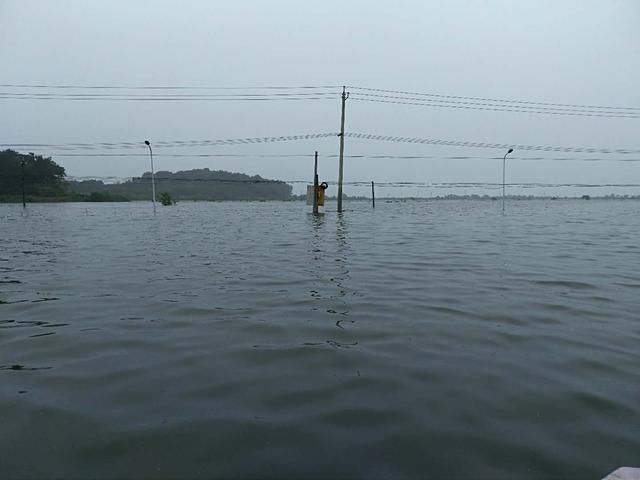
[(42, 176), (165, 198)]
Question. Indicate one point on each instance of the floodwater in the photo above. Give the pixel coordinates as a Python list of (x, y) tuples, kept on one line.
[(422, 339)]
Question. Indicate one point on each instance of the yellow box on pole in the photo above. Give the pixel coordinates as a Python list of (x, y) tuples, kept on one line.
[(319, 194)]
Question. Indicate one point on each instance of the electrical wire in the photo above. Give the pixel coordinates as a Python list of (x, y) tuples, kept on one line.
[(363, 183), (315, 92), (177, 95), (165, 87), (494, 100), (172, 98), (520, 108), (355, 135), (332, 156), (311, 87), (501, 146), (168, 144), (498, 109)]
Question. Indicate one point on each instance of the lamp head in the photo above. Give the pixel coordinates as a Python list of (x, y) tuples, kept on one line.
[(510, 150), (146, 142)]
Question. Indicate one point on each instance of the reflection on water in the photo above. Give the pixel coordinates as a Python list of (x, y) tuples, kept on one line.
[(436, 339)]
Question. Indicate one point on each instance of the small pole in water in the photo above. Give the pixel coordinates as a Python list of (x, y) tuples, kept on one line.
[(153, 179), (373, 195), (504, 161), (315, 185)]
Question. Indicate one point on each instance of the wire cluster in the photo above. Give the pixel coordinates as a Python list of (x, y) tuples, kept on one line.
[(402, 97)]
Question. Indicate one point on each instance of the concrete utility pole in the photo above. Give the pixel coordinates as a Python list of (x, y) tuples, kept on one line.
[(345, 95)]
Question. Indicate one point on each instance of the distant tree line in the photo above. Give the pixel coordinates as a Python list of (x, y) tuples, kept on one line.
[(198, 184), (42, 177), (44, 180)]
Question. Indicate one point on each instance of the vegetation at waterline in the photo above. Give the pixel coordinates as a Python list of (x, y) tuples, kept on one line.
[(98, 197), (165, 199), (45, 181)]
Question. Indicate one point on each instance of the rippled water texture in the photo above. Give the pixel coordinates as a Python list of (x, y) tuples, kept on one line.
[(421, 339)]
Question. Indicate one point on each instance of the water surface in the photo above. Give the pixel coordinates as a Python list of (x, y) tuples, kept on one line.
[(422, 339)]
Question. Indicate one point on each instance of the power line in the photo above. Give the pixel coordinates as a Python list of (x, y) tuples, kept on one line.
[(361, 136), (312, 97), (496, 108), (495, 100), (167, 98), (176, 95), (310, 87), (292, 93), (367, 183), (169, 144), (166, 93), (500, 146), (311, 136), (188, 155), (363, 183), (354, 156), (165, 87), (520, 108)]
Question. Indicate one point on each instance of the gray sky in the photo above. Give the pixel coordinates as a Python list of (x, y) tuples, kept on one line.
[(583, 52)]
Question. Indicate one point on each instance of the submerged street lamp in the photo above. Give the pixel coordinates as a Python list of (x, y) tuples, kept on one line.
[(24, 200), (504, 162), (153, 178)]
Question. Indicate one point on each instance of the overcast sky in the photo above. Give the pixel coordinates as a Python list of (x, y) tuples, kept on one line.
[(577, 52)]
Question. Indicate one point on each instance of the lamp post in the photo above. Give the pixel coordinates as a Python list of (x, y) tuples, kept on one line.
[(153, 178), (24, 201), (504, 162)]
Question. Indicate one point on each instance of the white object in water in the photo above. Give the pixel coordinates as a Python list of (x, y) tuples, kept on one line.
[(624, 473)]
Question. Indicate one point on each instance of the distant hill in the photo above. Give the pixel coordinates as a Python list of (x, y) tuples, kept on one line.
[(44, 180), (198, 184)]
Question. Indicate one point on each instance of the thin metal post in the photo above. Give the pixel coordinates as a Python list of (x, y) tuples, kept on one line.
[(153, 178), (373, 195), (315, 185), (345, 95)]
